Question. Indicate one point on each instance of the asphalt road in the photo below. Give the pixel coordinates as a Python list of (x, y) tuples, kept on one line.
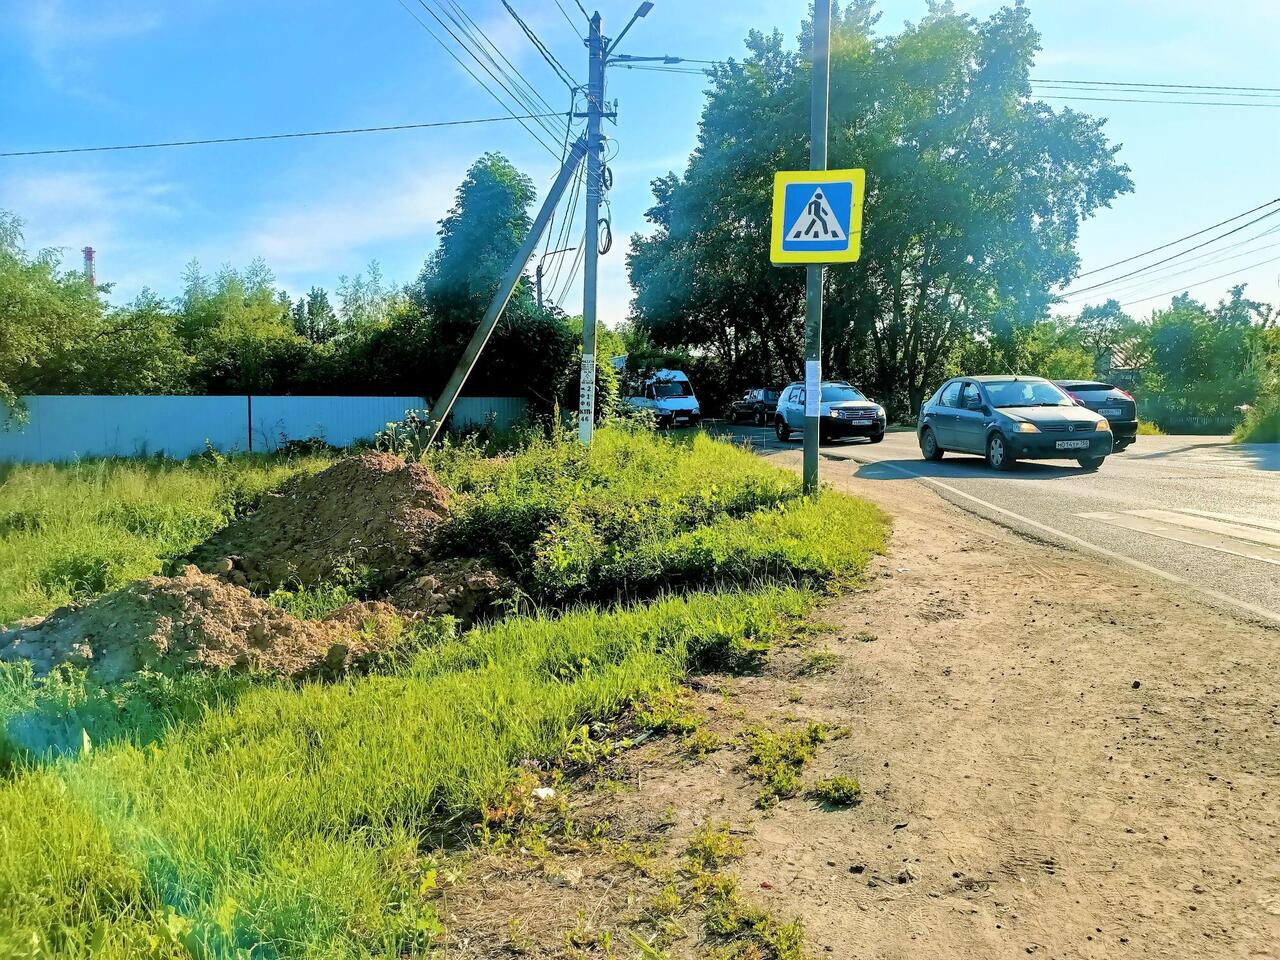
[(1200, 511)]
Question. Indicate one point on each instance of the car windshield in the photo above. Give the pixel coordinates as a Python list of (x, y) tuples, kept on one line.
[(1026, 393), (833, 393), (672, 388)]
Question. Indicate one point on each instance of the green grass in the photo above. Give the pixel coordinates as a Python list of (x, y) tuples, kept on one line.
[(1262, 423), (296, 820), (1148, 429), (230, 816), (68, 532)]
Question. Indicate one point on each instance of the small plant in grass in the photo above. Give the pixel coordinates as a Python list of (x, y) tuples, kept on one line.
[(669, 712), (668, 902), (751, 932), (1148, 429), (818, 661), (838, 791), (711, 848), (701, 743), (777, 759)]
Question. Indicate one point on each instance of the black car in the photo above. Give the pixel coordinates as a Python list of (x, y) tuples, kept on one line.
[(756, 406), (1118, 406), (1007, 419)]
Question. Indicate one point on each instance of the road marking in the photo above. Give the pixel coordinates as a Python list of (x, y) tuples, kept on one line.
[(1229, 538), (1257, 611)]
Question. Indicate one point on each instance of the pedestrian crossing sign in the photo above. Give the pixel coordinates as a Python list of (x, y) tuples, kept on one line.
[(817, 216)]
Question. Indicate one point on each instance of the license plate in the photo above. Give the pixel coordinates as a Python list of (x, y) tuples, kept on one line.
[(1111, 411), (1072, 444), (861, 423)]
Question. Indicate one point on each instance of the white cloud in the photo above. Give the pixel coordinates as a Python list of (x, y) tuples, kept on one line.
[(330, 233)]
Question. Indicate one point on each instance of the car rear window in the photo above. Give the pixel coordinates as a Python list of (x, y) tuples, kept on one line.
[(1088, 387)]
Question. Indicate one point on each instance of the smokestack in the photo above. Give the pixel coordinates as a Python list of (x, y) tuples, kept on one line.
[(90, 270)]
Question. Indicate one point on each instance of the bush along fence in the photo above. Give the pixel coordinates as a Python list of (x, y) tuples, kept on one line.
[(55, 429)]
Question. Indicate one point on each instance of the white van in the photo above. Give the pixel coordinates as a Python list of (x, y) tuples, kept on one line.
[(669, 395)]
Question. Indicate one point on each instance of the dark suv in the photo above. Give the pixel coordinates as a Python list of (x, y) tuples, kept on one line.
[(1109, 401), (756, 406)]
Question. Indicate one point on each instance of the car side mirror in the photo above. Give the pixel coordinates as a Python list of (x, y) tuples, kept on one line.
[(975, 404)]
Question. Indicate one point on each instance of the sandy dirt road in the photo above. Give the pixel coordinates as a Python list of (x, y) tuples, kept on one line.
[(1059, 758)]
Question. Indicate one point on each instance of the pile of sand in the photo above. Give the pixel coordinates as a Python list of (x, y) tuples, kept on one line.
[(196, 621), (373, 511)]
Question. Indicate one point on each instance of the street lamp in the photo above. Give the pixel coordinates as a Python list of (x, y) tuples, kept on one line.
[(641, 12)]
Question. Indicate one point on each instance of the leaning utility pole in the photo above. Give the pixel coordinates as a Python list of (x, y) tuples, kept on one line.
[(820, 87), (440, 410), (595, 171)]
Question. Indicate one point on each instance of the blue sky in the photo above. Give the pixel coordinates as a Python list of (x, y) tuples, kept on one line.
[(119, 71)]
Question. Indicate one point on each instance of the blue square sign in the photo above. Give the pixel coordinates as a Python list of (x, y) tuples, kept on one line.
[(817, 216)]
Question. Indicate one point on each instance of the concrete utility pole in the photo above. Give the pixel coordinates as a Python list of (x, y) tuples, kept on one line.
[(820, 88), (595, 171)]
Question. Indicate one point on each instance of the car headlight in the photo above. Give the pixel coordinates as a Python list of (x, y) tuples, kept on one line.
[(1025, 426), (1102, 426)]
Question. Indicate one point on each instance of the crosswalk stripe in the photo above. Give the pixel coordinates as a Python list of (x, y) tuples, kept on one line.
[(1229, 538)]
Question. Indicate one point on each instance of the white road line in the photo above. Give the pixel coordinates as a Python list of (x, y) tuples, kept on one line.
[(1195, 531), (1257, 611)]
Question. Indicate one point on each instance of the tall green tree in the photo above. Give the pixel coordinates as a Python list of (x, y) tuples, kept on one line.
[(44, 312), (313, 317), (975, 193)]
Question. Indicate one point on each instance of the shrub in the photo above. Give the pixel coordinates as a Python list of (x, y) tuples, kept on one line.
[(837, 791), (1262, 423)]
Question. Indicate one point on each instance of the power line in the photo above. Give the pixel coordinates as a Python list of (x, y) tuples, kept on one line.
[(1209, 260), (520, 88), (568, 19), (1172, 243), (501, 102), (472, 74), (1150, 266), (541, 47), (1134, 83), (1200, 283), (1180, 103), (1167, 92), (273, 136)]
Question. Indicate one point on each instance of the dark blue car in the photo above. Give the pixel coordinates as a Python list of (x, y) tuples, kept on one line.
[(1007, 419)]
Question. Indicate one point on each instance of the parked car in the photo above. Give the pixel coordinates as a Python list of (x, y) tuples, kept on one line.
[(1007, 419), (668, 395), (756, 406), (844, 411), (1117, 405)]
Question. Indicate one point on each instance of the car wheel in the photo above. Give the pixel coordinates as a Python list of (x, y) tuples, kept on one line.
[(876, 437), (998, 455), (1091, 463), (928, 445), (781, 429), (760, 418)]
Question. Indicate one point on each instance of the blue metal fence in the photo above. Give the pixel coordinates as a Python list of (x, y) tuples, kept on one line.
[(61, 428)]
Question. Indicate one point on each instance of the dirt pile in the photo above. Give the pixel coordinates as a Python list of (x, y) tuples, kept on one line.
[(462, 588), (371, 511), (195, 621)]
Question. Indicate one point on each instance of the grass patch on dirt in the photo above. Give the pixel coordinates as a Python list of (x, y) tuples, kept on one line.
[(295, 821), (635, 514), (214, 815), (69, 532), (777, 758)]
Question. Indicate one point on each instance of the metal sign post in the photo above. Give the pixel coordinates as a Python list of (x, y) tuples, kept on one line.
[(817, 220)]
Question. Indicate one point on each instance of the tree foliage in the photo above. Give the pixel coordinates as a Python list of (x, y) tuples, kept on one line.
[(975, 193), (234, 331)]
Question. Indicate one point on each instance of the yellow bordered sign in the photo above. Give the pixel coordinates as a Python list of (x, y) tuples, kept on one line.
[(817, 216)]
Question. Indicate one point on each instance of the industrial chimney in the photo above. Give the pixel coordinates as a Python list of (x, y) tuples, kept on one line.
[(90, 271)]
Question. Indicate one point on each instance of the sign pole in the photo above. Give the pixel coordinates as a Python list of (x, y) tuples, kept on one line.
[(820, 82)]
